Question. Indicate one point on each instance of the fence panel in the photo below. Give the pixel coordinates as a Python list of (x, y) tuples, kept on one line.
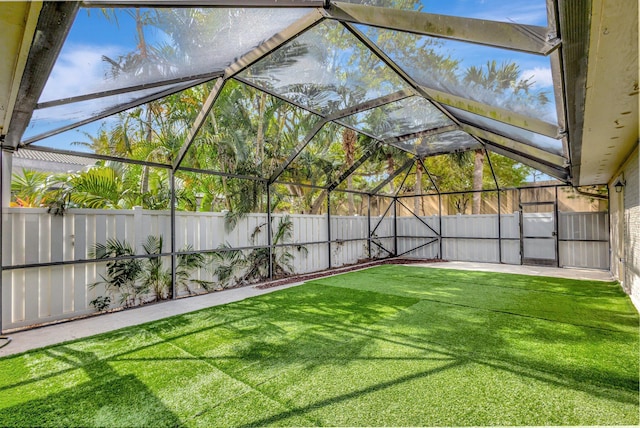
[(42, 294), (584, 239)]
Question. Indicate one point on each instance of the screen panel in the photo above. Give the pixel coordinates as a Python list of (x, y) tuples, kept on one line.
[(115, 48), (325, 69), (511, 80)]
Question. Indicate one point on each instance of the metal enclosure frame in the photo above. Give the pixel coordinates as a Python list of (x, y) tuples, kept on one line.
[(544, 41)]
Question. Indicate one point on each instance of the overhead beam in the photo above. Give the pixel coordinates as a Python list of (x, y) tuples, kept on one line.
[(367, 154), (277, 95), (240, 64), (396, 173), (98, 156), (199, 121), (559, 173), (425, 133), (51, 31), (312, 133), (18, 34), (273, 43), (127, 89), (517, 146), (531, 39), (503, 115), (206, 3), (368, 105), (111, 111), (574, 28), (397, 69)]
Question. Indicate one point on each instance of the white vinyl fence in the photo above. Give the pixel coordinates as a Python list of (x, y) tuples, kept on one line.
[(36, 295)]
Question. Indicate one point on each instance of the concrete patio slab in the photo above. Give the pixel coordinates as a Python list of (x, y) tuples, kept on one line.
[(570, 273)]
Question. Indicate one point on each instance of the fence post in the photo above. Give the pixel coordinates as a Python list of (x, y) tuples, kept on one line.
[(2, 205), (556, 227), (521, 225), (269, 231), (137, 229), (395, 226), (369, 226), (440, 224), (329, 226), (499, 229), (173, 233)]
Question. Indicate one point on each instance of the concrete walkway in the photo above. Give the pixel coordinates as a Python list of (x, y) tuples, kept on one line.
[(570, 273), (49, 335)]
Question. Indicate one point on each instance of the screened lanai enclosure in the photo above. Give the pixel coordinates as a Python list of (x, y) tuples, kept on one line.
[(175, 149)]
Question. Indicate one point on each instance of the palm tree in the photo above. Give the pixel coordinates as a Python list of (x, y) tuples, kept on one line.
[(100, 187), (29, 189), (500, 80)]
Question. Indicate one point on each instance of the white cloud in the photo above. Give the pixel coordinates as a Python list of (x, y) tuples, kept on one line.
[(78, 70), (541, 77)]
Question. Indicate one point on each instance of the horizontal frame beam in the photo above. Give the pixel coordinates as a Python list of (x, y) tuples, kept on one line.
[(206, 3), (97, 156), (517, 146), (127, 89), (368, 105), (531, 39), (114, 110), (561, 174), (425, 133), (506, 116)]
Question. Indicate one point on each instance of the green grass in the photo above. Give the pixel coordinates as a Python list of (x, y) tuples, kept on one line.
[(391, 345)]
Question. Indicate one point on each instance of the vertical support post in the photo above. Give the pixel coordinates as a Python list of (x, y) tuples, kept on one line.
[(395, 226), (5, 191), (440, 223), (521, 225), (555, 227), (173, 234), (610, 250), (369, 226), (495, 181), (269, 229), (2, 250), (329, 226), (499, 229)]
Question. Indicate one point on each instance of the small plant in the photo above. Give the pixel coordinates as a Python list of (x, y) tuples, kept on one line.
[(228, 264), (185, 264), (140, 280), (121, 275), (101, 303)]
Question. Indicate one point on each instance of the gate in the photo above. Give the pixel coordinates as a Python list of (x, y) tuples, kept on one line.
[(539, 233)]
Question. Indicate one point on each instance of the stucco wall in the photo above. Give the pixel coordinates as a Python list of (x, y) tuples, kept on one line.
[(625, 228)]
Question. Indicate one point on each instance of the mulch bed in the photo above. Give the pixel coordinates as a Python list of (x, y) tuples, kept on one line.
[(361, 264)]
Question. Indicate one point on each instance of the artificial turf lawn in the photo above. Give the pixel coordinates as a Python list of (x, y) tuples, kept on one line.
[(390, 345)]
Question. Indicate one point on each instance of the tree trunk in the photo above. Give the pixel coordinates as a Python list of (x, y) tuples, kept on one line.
[(391, 166), (349, 140), (260, 137), (317, 204), (417, 189), (478, 166)]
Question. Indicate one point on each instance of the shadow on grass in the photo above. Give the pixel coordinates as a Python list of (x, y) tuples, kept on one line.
[(356, 393), (316, 326), (106, 399)]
